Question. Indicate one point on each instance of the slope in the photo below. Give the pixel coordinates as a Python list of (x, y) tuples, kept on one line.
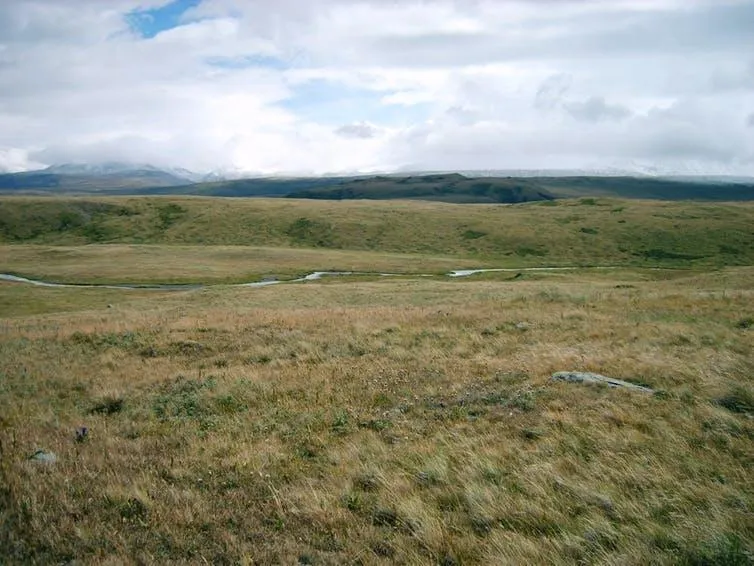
[(569, 232)]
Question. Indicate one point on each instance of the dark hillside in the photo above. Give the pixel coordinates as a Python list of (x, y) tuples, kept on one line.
[(647, 188), (61, 183), (447, 188), (257, 187)]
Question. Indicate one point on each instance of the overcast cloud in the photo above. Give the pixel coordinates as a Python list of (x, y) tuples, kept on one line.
[(285, 86)]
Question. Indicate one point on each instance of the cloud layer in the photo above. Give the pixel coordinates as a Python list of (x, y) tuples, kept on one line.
[(338, 85)]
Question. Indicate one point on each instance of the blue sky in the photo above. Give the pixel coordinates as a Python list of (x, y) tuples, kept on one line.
[(333, 103), (247, 61), (321, 100), (149, 23)]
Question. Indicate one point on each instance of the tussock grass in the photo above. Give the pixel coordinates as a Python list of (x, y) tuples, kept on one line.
[(395, 421)]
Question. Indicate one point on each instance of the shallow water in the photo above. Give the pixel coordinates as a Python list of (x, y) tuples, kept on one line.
[(314, 276)]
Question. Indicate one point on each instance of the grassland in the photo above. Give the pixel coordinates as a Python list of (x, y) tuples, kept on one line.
[(574, 232), (407, 422), (386, 421), (145, 264)]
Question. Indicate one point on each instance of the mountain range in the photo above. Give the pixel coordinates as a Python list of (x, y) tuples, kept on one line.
[(489, 186)]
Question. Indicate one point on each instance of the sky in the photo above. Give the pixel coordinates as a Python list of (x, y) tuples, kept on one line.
[(341, 86)]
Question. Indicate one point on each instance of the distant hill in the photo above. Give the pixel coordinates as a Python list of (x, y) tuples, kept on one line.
[(255, 187), (74, 178), (143, 179), (685, 188), (457, 188), (445, 187)]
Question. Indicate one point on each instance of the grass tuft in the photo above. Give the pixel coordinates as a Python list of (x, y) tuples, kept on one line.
[(740, 399), (726, 550), (108, 406)]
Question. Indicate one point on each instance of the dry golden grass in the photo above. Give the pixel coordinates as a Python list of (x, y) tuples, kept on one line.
[(383, 422), (114, 263)]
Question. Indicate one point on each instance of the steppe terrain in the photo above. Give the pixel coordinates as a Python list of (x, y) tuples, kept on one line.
[(364, 419)]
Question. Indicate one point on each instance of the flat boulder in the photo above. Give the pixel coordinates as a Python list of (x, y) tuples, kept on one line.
[(44, 456), (588, 377)]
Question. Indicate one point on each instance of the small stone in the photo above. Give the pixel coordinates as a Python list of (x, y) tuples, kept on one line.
[(82, 433), (523, 326), (44, 456), (588, 377)]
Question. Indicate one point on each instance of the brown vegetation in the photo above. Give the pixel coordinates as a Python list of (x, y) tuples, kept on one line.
[(383, 422)]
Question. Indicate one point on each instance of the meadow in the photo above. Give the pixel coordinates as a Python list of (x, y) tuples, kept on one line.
[(365, 420), (587, 231)]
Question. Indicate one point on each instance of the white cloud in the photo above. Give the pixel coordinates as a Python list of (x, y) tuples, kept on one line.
[(340, 85), (360, 130), (13, 160), (595, 109)]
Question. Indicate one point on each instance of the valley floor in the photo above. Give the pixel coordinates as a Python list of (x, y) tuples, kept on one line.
[(393, 421)]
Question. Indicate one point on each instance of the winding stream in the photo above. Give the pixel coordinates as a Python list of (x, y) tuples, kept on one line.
[(314, 276)]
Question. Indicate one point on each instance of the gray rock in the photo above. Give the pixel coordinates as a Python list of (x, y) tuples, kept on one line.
[(44, 456), (588, 377)]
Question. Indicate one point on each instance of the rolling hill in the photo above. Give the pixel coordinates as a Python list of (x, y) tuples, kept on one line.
[(587, 231), (681, 188), (446, 187), (147, 180), (83, 179)]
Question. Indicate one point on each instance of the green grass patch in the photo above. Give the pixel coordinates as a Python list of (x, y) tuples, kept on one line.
[(672, 233)]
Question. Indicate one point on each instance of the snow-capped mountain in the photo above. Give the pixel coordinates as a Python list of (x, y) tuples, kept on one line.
[(94, 177), (106, 168)]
